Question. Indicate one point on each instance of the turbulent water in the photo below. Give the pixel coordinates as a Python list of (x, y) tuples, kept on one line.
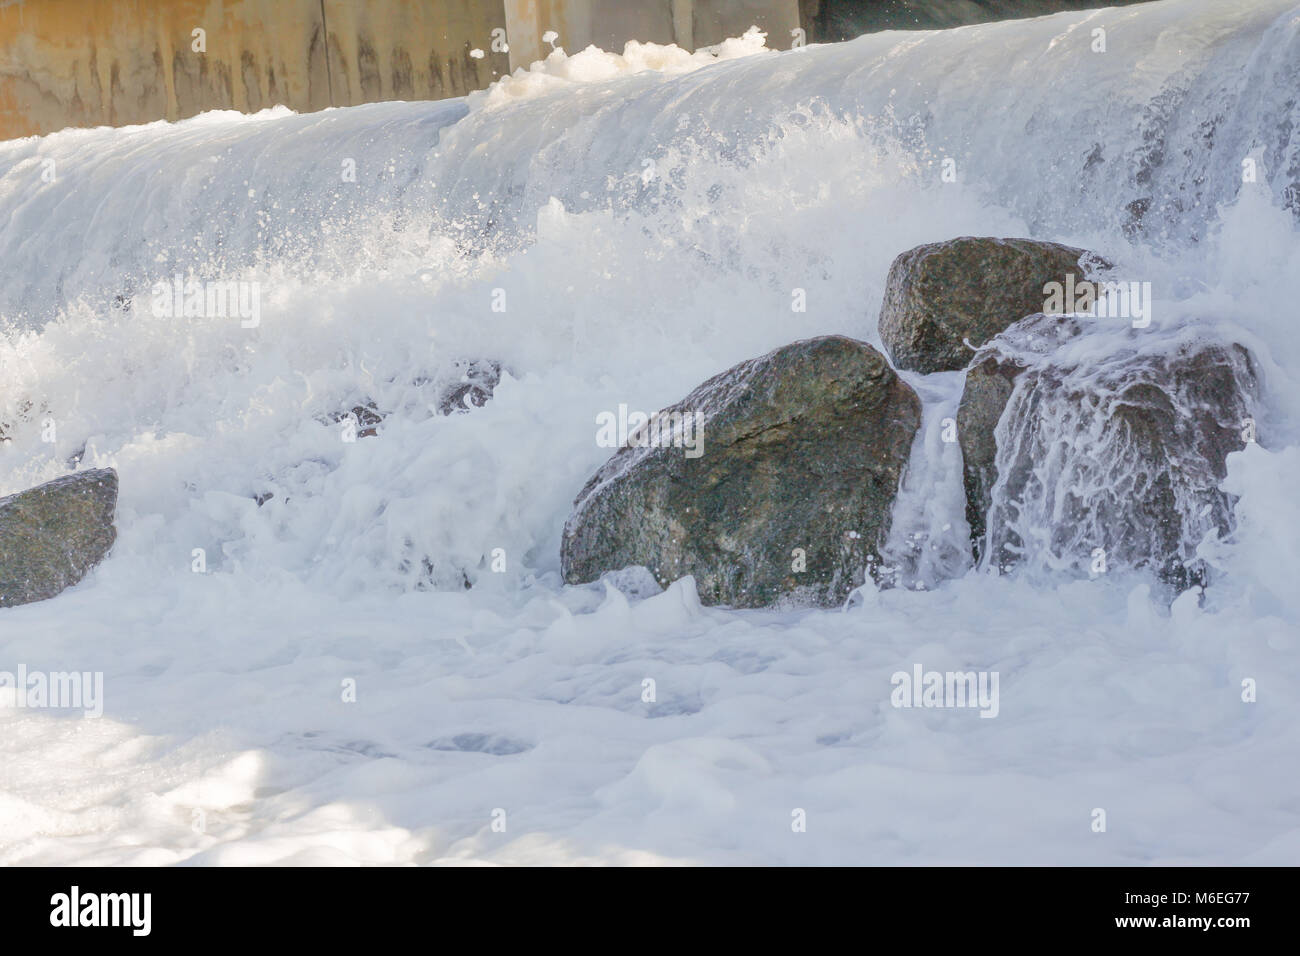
[(1108, 448), (616, 229)]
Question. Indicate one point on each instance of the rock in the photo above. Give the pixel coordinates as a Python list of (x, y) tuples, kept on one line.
[(989, 382), (51, 535), (941, 295), (802, 448), (477, 382), (469, 385), (366, 419), (988, 387), (1115, 463)]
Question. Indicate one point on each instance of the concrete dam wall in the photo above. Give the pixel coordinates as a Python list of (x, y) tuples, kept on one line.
[(117, 62)]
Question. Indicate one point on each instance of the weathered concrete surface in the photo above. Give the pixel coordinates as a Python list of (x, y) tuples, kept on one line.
[(116, 62), (609, 24), (93, 62)]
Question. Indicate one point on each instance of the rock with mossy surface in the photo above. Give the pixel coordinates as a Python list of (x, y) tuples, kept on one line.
[(789, 500), (53, 534), (944, 300)]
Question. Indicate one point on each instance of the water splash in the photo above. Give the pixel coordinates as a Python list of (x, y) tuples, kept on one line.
[(929, 539), (1110, 454), (808, 169)]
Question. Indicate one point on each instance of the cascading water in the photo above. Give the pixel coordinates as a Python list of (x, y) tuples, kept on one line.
[(715, 203), (615, 230), (929, 538), (1109, 447)]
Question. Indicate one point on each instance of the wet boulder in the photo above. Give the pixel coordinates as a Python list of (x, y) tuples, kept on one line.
[(989, 382), (1092, 460), (53, 534), (983, 399), (771, 483), (943, 300)]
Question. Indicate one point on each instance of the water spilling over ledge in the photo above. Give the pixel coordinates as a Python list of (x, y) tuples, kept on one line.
[(617, 242)]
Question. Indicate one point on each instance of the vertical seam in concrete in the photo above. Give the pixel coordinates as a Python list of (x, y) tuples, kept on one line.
[(325, 34), (682, 14)]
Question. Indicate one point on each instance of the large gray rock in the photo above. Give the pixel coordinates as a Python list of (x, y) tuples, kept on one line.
[(1112, 463), (51, 535), (803, 448), (942, 295)]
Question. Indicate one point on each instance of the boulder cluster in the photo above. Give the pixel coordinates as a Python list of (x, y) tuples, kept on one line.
[(774, 482), (792, 501)]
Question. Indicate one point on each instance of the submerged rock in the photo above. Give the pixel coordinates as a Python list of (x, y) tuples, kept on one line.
[(478, 380), (790, 494), (468, 385), (365, 419), (1090, 462), (942, 295), (53, 534)]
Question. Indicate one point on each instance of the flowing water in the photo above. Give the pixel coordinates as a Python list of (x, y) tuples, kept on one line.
[(616, 229)]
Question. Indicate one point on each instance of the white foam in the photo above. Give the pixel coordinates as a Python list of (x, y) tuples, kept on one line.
[(807, 169)]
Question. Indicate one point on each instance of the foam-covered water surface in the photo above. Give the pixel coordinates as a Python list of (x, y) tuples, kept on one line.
[(617, 229)]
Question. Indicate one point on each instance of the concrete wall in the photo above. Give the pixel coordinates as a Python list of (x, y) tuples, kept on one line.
[(115, 62), (607, 23), (412, 49), (715, 20), (610, 23)]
